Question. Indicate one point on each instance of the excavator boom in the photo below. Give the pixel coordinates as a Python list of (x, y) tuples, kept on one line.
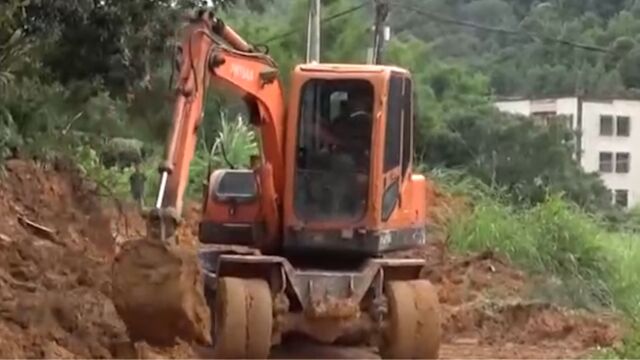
[(237, 67), (210, 53)]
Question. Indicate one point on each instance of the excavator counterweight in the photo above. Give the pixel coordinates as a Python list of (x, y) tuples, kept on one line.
[(297, 242)]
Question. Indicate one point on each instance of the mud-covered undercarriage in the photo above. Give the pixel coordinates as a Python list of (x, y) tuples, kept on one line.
[(379, 303)]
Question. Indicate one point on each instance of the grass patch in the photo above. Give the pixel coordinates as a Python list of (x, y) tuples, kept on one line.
[(585, 265)]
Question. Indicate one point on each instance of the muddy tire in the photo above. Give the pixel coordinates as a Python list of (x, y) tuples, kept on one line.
[(260, 318), (401, 326), (413, 325), (429, 328), (243, 319), (230, 319)]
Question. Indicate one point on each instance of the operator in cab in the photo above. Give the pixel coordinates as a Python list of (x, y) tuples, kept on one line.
[(350, 131), (349, 136)]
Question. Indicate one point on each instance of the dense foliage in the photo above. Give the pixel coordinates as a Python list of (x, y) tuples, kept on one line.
[(523, 60)]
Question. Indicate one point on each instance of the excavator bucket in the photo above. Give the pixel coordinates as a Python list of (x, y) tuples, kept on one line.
[(157, 291)]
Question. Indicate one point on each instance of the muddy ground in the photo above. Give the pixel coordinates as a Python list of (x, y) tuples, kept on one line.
[(57, 238)]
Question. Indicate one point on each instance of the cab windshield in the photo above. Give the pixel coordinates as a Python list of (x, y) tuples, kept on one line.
[(334, 146)]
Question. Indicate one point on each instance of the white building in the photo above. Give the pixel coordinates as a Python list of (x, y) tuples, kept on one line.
[(608, 137)]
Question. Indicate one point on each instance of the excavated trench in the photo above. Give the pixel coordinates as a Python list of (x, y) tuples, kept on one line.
[(57, 243)]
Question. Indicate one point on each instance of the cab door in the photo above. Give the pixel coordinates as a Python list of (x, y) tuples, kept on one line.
[(397, 154)]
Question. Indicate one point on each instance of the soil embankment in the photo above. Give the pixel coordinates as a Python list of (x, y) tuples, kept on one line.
[(57, 240)]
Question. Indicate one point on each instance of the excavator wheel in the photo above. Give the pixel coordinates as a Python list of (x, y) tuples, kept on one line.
[(243, 319), (260, 315), (429, 328), (157, 291), (413, 330)]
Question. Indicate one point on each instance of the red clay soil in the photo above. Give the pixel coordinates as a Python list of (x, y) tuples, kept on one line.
[(57, 239), (53, 282), (486, 314), (482, 303)]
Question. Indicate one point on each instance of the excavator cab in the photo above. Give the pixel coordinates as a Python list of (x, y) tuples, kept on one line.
[(333, 150), (350, 151)]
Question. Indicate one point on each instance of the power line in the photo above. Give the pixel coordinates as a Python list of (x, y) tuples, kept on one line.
[(453, 21), (322, 21), (512, 32)]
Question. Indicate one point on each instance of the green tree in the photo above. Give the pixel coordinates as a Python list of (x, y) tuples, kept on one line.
[(117, 42)]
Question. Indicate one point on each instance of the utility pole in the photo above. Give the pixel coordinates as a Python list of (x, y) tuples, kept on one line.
[(380, 30), (313, 32)]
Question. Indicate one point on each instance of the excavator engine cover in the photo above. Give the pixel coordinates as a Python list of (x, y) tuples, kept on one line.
[(232, 210)]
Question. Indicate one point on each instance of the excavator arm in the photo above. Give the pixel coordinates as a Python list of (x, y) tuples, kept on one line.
[(153, 281), (211, 53)]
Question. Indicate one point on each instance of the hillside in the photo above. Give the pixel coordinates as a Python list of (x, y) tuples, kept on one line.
[(523, 59)]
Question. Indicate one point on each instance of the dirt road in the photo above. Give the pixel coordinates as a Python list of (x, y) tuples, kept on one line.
[(459, 349), (448, 351), (57, 239)]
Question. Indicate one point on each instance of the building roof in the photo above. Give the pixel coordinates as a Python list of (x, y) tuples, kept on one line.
[(628, 97)]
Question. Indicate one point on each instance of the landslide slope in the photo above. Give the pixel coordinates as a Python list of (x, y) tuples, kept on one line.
[(55, 242)]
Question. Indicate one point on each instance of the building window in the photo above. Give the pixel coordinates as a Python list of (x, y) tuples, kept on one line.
[(606, 162), (606, 125), (622, 162), (622, 198), (623, 126)]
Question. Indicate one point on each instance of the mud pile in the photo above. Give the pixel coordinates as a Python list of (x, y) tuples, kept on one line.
[(54, 285), (57, 242), (486, 301)]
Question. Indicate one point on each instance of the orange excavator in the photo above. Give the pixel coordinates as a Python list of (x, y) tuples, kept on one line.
[(295, 244)]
